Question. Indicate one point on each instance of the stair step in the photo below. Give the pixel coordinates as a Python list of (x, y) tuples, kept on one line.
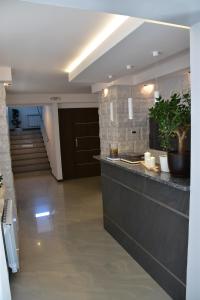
[(26, 141), (21, 151), (22, 156), (31, 131), (30, 168), (28, 151), (29, 162), (25, 136), (27, 146)]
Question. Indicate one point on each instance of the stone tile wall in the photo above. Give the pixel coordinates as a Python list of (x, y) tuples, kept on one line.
[(5, 159), (120, 130)]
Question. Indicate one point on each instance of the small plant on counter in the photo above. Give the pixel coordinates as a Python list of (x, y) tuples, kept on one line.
[(173, 117)]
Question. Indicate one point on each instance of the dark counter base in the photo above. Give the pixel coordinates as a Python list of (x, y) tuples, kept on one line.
[(150, 220), (175, 289)]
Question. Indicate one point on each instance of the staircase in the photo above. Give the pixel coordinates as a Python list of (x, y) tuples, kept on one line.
[(28, 151)]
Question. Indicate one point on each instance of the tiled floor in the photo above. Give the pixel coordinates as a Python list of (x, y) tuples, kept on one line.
[(67, 255)]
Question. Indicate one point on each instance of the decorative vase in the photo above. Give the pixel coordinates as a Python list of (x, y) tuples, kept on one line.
[(164, 163), (179, 164)]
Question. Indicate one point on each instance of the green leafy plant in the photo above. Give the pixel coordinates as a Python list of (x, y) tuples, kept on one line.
[(173, 117)]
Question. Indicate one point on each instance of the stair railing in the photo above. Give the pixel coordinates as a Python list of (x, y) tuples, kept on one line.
[(42, 127)]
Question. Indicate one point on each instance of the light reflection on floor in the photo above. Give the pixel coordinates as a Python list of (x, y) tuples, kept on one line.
[(65, 254)]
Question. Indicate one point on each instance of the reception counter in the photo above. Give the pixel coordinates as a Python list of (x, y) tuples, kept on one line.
[(147, 213)]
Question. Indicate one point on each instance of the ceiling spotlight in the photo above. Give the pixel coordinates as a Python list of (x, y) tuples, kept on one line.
[(156, 53), (129, 67), (109, 76), (55, 98)]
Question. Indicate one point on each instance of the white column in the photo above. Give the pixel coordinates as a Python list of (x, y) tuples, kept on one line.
[(57, 141), (51, 124), (193, 268)]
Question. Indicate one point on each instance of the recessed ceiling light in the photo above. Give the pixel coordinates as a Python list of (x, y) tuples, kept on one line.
[(156, 53), (129, 67)]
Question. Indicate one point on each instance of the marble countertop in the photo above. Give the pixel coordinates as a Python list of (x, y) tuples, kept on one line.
[(162, 177)]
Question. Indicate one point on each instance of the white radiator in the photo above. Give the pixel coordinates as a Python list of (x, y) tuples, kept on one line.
[(10, 236)]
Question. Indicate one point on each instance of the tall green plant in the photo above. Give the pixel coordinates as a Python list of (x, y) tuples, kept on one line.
[(173, 117)]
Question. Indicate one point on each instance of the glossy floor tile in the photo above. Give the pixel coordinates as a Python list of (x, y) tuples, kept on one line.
[(65, 253)]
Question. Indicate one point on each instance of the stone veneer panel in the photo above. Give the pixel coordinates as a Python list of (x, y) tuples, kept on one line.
[(120, 130), (5, 158)]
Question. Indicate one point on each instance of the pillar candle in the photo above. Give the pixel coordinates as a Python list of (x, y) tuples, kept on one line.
[(147, 155), (152, 162)]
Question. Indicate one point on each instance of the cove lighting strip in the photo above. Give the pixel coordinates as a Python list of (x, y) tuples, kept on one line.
[(116, 22), (166, 24)]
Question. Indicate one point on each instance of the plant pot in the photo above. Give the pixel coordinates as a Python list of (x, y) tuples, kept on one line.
[(164, 163), (179, 164)]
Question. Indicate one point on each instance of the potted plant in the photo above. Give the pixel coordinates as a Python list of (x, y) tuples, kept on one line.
[(173, 117), (15, 119)]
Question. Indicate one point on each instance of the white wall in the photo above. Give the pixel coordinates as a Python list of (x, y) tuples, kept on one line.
[(5, 74), (52, 140), (41, 99), (193, 267)]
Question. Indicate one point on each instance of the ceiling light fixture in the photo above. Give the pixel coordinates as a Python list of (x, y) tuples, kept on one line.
[(129, 67), (147, 89), (116, 22), (105, 92), (156, 53), (7, 84), (110, 76)]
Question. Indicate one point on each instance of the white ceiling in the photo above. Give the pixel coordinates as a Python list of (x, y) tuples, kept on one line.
[(39, 41), (185, 12), (136, 50)]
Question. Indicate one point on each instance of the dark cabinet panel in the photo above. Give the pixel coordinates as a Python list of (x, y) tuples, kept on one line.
[(111, 200), (150, 220)]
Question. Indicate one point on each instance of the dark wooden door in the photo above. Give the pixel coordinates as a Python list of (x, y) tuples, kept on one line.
[(79, 141)]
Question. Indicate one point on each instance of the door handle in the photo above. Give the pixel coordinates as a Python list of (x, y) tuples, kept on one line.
[(76, 142)]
